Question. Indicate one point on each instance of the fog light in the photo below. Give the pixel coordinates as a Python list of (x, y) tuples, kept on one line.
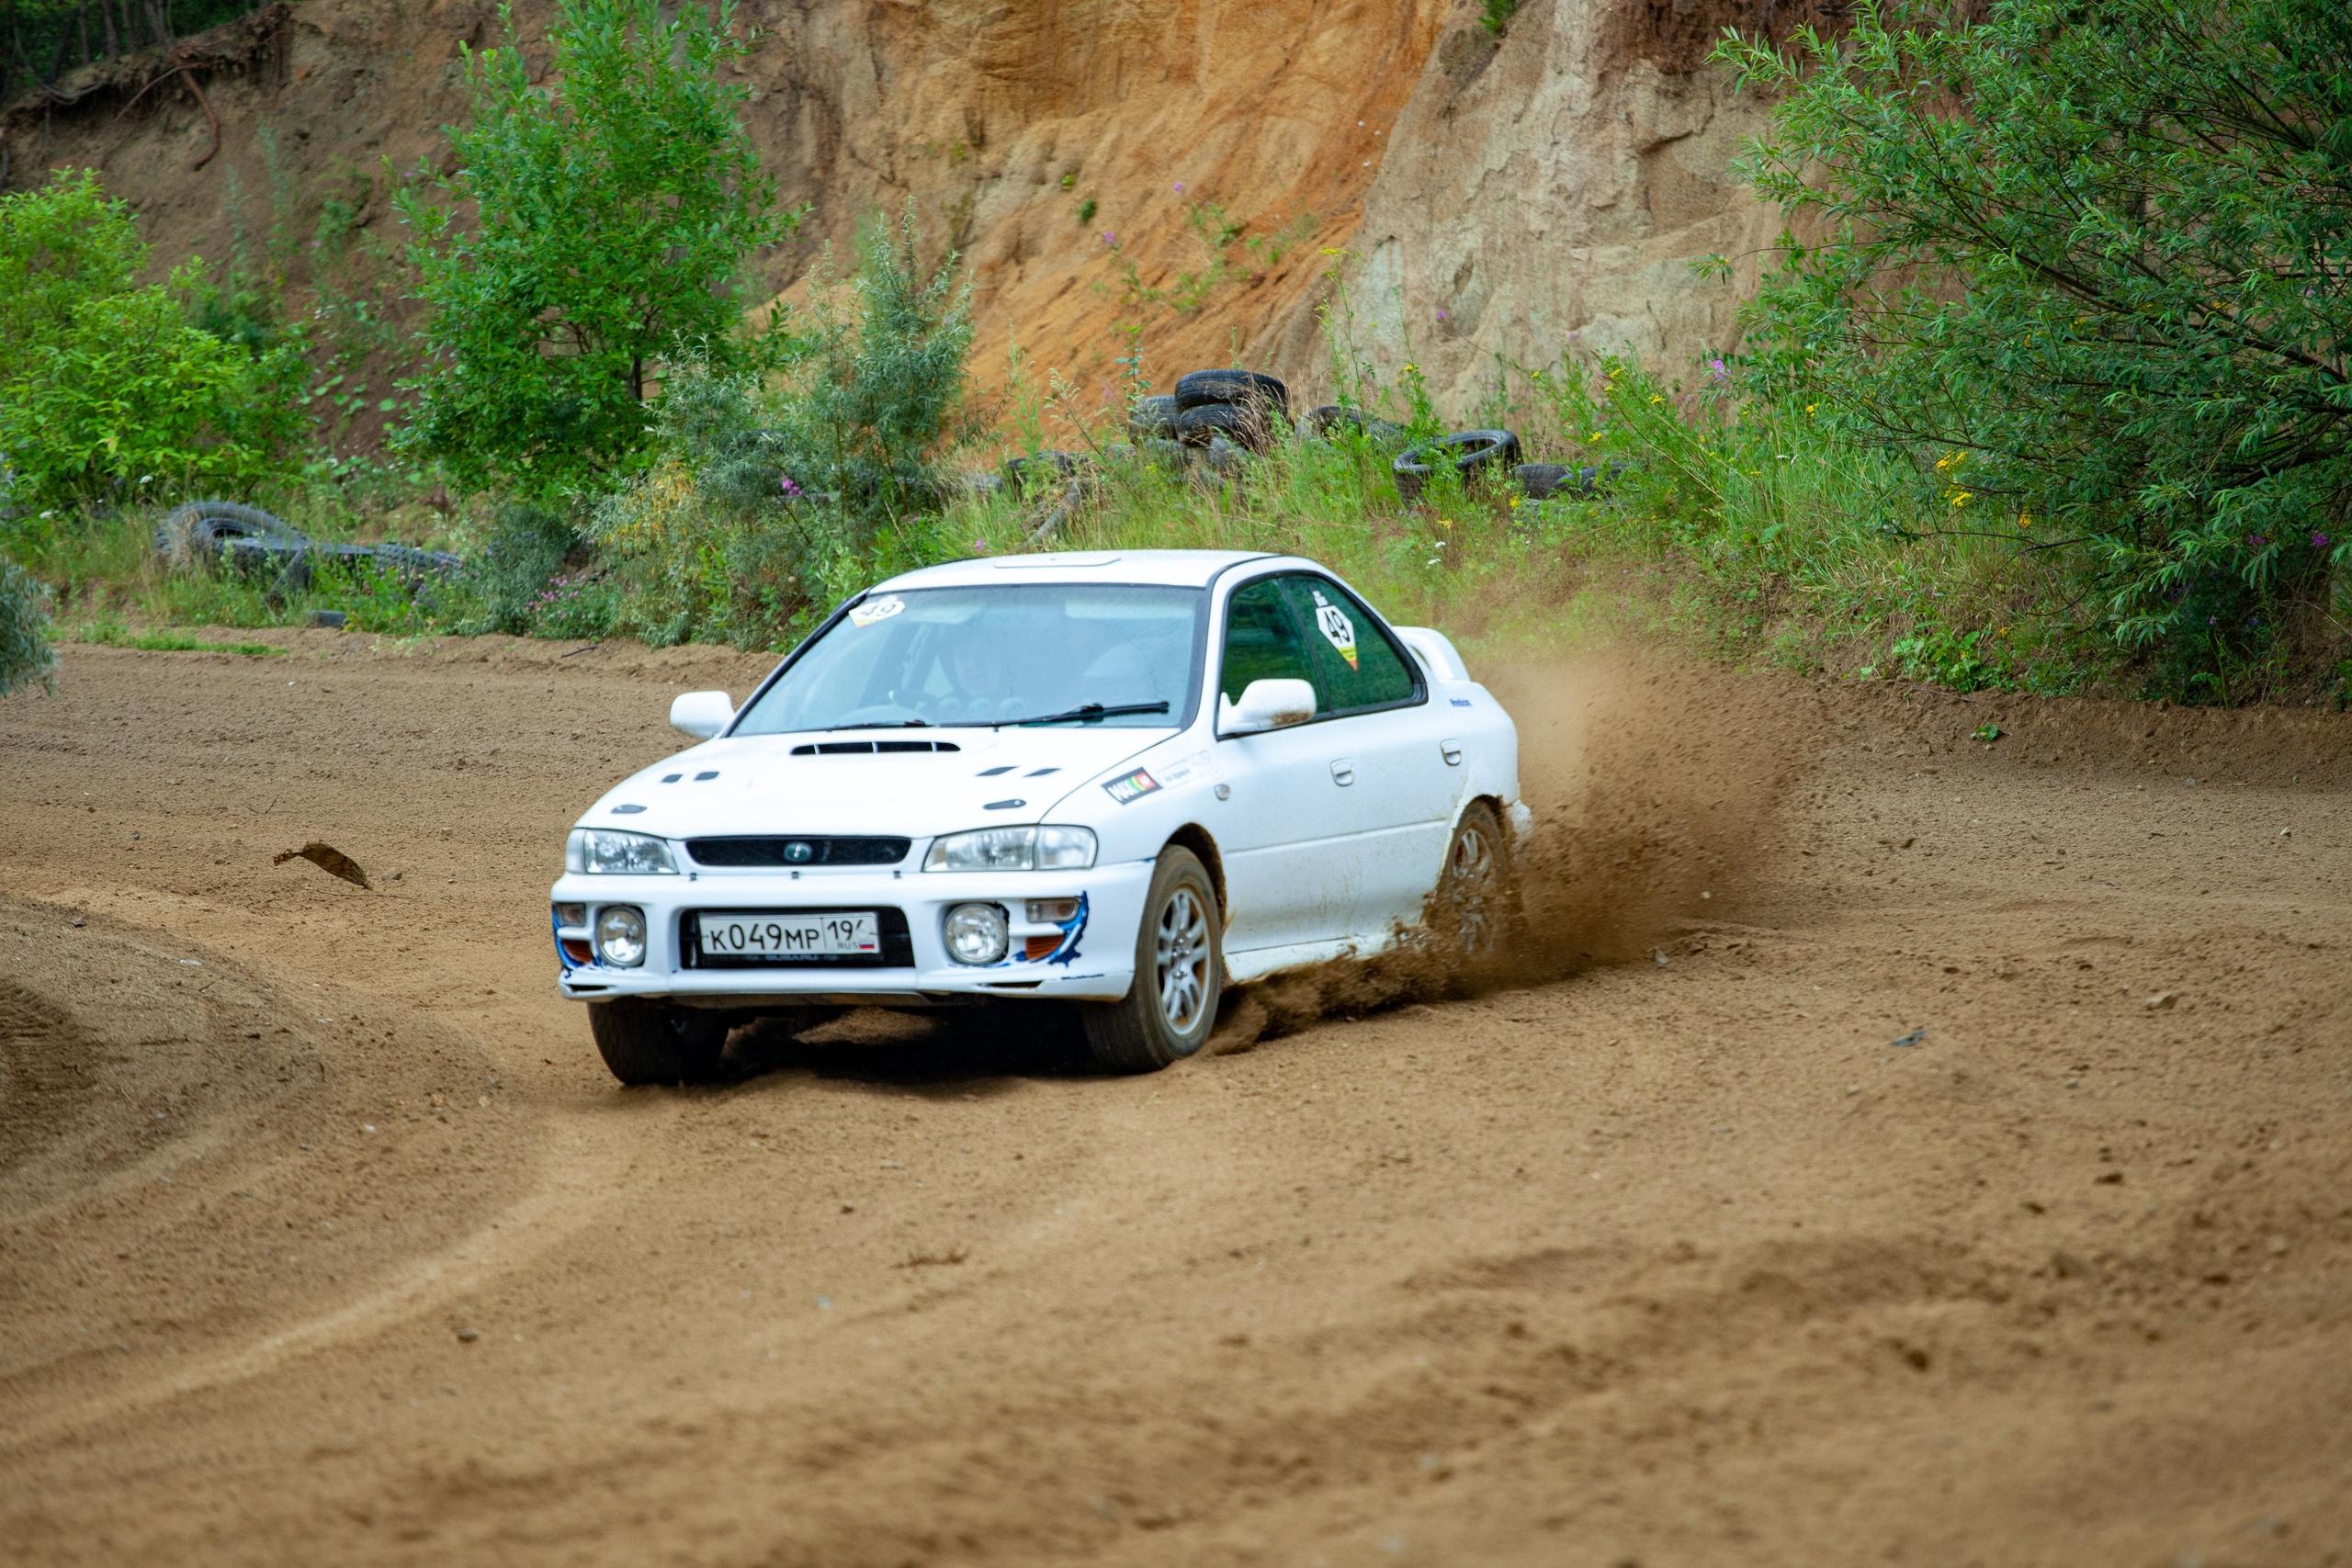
[(1052, 911), (572, 915), (620, 936), (976, 933)]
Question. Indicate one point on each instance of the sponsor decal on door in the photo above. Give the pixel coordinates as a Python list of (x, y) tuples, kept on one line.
[(1128, 788)]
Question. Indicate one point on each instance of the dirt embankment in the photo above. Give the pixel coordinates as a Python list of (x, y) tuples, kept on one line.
[(1479, 196), (1963, 1180)]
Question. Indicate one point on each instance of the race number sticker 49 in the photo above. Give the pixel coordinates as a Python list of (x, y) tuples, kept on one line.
[(1337, 629), (874, 610)]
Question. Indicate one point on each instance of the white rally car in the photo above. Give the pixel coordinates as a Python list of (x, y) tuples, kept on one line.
[(1123, 781)]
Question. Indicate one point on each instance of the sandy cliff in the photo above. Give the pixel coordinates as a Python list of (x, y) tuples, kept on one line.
[(1477, 197)]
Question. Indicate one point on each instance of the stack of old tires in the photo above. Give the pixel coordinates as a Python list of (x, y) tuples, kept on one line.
[(1216, 420), (253, 543), (1469, 452)]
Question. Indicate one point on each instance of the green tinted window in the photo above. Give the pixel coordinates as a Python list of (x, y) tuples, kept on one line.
[(1260, 641), (1349, 659)]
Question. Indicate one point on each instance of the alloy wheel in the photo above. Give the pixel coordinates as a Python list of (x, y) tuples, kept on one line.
[(1183, 958)]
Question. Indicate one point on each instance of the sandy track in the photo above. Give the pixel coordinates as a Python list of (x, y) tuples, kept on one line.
[(1656, 1264)]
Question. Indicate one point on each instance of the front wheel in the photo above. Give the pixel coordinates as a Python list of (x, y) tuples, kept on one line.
[(1180, 974), (650, 1043)]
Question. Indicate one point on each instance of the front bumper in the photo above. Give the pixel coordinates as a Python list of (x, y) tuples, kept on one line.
[(1094, 962)]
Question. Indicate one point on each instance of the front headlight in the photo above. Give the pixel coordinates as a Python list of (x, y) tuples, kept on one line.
[(1012, 849), (622, 854)]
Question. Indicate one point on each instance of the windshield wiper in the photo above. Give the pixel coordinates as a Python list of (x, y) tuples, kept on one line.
[(1086, 713), (883, 724)]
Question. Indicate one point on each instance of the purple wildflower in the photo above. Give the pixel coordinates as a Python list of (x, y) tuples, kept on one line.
[(1717, 371), (1109, 238), (1441, 315), (1179, 188), (2319, 541), (791, 492)]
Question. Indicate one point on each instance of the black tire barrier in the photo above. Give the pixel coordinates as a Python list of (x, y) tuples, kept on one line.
[(287, 562), (196, 531), (1466, 450), (1541, 480), (413, 564), (1039, 469), (1162, 452), (1245, 389), (1153, 416), (1334, 419), (1244, 426)]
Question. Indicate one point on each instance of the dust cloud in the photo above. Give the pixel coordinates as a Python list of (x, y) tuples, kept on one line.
[(1657, 785)]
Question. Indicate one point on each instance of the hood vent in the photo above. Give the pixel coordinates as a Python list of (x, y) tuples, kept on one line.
[(870, 747)]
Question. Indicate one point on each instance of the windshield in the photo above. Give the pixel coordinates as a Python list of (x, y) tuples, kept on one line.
[(994, 655)]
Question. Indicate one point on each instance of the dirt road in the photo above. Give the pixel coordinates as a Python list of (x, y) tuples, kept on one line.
[(324, 1237)]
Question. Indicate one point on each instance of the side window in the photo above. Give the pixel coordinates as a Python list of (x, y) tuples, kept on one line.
[(1260, 641), (1353, 664)]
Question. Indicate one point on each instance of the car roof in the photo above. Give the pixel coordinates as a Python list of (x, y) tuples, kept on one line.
[(1181, 569)]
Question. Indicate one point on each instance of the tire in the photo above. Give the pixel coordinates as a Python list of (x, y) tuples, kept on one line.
[(1153, 416), (415, 565), (1473, 908), (1245, 427), (1467, 450), (1334, 419), (655, 1043), (1041, 470), (1139, 1034), (194, 532), (1244, 389), (1537, 480)]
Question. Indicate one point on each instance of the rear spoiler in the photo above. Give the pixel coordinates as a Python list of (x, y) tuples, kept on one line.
[(1435, 652)]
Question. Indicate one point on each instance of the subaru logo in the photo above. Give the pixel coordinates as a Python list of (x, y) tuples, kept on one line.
[(799, 852)]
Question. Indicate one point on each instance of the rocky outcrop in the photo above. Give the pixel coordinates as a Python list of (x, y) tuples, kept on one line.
[(1180, 181)]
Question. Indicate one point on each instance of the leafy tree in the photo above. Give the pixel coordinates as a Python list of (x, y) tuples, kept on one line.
[(611, 216), (109, 391), (2093, 263)]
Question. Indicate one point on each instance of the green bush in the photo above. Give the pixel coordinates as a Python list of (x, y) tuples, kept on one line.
[(872, 393), (109, 393), (25, 652), (611, 217), (2088, 267)]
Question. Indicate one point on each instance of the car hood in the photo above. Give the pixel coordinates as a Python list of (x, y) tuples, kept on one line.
[(785, 784)]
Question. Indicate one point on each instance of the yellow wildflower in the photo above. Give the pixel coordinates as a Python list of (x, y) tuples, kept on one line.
[(1810, 407), (1445, 522), (1656, 399), (1333, 250), (1595, 436), (2025, 519), (1961, 498)]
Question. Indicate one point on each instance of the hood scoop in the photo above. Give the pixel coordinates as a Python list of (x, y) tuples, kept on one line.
[(869, 748)]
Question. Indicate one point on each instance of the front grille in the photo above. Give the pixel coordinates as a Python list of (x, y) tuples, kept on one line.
[(785, 851), (898, 947)]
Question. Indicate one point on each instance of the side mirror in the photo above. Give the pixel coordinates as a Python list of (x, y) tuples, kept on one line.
[(1266, 704), (701, 713)]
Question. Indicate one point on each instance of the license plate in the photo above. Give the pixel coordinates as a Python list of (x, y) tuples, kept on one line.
[(790, 936)]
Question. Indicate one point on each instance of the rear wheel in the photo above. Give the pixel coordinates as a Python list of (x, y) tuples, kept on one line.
[(1473, 905), (1180, 974), (650, 1042)]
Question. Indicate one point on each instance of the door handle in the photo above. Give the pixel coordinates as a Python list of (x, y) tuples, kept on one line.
[(1343, 772), (1452, 751)]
